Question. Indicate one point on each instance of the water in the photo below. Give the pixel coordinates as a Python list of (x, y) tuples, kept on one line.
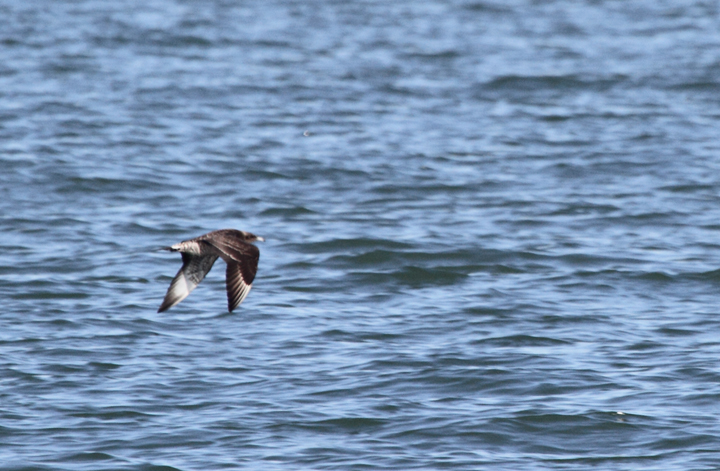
[(492, 235)]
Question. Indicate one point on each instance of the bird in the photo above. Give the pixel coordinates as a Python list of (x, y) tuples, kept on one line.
[(199, 255)]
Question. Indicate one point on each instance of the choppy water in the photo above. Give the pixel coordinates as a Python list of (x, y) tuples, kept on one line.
[(492, 234)]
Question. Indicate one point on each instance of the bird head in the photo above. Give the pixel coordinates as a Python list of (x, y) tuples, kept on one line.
[(248, 237)]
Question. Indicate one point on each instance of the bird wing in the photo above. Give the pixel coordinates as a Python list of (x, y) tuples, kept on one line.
[(237, 287), (242, 262), (192, 272)]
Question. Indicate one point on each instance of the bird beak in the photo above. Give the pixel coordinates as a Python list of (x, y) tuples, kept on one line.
[(261, 239)]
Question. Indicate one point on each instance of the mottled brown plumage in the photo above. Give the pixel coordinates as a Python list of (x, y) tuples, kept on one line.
[(199, 255)]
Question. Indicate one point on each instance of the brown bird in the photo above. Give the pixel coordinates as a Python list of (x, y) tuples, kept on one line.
[(199, 255)]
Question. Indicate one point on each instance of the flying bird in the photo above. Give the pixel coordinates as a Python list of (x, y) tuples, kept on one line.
[(199, 255)]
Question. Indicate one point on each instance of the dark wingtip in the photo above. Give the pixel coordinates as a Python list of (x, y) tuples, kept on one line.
[(164, 307)]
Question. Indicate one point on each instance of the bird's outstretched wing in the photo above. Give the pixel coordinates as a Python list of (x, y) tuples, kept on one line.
[(242, 262), (193, 270), (237, 287)]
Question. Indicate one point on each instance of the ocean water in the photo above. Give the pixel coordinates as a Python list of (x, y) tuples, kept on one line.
[(492, 234)]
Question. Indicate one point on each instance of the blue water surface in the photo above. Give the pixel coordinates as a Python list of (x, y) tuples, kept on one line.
[(492, 234)]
